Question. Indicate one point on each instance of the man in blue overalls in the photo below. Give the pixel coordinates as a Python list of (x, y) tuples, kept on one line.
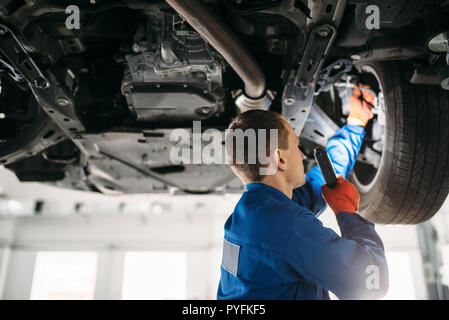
[(275, 247)]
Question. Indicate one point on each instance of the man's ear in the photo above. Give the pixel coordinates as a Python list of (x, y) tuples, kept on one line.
[(279, 159)]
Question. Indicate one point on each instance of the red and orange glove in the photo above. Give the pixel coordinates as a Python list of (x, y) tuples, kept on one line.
[(344, 197), (362, 102)]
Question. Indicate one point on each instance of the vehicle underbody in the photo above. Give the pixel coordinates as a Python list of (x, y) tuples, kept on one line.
[(93, 108)]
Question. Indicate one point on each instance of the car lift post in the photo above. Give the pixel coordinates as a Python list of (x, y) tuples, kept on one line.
[(432, 262)]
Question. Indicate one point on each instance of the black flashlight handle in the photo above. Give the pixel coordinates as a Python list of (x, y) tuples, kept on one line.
[(325, 164)]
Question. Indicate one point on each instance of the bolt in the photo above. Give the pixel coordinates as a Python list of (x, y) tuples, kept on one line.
[(289, 101), (41, 83), (323, 33), (62, 102), (204, 110), (303, 83), (3, 31), (200, 75), (445, 84)]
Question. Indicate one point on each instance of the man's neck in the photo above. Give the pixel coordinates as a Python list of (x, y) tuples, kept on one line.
[(278, 184)]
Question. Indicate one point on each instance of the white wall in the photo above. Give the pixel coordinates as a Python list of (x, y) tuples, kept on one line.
[(19, 276), (112, 236)]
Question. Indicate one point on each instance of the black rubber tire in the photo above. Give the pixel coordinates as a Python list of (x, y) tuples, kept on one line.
[(413, 178)]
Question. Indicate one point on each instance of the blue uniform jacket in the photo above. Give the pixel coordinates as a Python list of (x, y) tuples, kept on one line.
[(276, 248)]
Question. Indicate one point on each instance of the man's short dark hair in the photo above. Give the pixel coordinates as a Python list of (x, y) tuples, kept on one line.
[(255, 120)]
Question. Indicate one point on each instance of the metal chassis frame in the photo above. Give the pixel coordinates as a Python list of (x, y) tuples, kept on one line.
[(42, 133), (57, 101), (299, 93)]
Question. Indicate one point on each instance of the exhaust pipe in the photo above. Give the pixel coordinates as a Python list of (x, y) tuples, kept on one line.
[(219, 36)]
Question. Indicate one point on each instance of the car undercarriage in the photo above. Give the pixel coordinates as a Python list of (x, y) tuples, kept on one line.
[(91, 91)]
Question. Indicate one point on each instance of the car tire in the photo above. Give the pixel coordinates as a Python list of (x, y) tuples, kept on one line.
[(412, 180)]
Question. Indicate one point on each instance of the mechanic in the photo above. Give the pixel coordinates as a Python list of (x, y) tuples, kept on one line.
[(275, 247)]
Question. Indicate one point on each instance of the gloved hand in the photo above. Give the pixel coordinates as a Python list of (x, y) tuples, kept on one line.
[(344, 197), (362, 102)]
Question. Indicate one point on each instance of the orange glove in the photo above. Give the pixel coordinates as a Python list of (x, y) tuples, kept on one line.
[(362, 102), (344, 197)]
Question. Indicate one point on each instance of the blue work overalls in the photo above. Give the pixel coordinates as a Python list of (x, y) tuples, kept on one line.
[(276, 248)]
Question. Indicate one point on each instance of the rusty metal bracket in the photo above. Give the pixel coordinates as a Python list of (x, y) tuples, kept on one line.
[(299, 93)]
